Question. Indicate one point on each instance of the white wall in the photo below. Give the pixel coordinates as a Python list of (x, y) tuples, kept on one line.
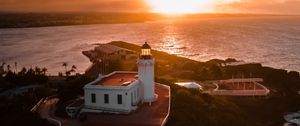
[(113, 93), (146, 76)]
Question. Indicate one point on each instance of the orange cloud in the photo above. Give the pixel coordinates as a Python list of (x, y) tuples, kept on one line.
[(72, 5), (223, 6), (262, 6)]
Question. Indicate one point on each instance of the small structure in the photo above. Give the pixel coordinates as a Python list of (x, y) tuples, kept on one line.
[(190, 85), (109, 51), (74, 108), (114, 51), (105, 54), (293, 118), (235, 63), (122, 91)]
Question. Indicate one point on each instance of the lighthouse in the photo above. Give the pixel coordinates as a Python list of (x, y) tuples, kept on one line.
[(146, 73)]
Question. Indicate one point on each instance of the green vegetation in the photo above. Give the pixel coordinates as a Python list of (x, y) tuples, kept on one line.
[(68, 72), (15, 111), (71, 89), (191, 108), (10, 79), (25, 77)]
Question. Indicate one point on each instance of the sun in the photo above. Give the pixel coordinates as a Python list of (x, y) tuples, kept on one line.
[(173, 7)]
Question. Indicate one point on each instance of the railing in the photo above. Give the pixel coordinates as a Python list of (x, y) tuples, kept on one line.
[(240, 92), (255, 92), (58, 123), (169, 108), (106, 110), (242, 80), (37, 105)]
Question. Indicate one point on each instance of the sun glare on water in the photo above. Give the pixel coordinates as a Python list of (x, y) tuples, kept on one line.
[(175, 7)]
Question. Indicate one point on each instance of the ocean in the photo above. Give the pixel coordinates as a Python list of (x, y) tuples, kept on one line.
[(273, 41)]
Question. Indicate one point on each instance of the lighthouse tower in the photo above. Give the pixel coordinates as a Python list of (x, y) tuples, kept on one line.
[(146, 73)]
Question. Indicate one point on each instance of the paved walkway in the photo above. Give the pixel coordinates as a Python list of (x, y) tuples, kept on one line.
[(46, 110)]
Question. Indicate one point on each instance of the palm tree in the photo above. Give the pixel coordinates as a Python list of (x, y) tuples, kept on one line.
[(65, 65), (74, 67), (8, 67), (38, 71), (3, 63), (2, 71), (23, 71), (16, 67), (60, 74), (68, 73), (73, 70), (44, 70)]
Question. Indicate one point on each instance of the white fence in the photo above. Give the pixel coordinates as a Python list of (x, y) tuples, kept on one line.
[(255, 92), (242, 80), (240, 92), (34, 108)]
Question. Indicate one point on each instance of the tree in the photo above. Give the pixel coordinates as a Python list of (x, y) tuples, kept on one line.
[(60, 74), (16, 67), (68, 73), (216, 71), (74, 67), (73, 70), (23, 71), (65, 65), (44, 70), (38, 71), (30, 72), (2, 69), (8, 68)]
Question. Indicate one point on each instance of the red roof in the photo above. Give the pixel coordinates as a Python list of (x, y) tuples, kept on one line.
[(118, 79)]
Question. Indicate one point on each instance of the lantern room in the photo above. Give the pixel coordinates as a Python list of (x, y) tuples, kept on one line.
[(146, 51)]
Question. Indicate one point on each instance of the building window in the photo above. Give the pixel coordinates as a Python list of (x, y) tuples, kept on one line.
[(134, 95), (146, 52), (119, 99), (106, 99), (93, 96), (138, 93), (131, 98)]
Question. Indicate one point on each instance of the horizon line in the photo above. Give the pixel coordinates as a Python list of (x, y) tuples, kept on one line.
[(186, 14)]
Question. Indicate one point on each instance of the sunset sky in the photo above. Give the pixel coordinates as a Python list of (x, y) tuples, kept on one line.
[(160, 6)]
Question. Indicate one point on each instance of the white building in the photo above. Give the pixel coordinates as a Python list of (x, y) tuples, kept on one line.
[(122, 91), (190, 85), (110, 51)]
